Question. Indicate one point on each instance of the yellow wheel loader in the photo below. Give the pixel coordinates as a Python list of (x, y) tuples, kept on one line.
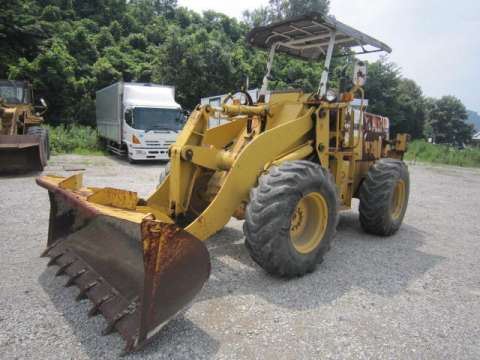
[(23, 143), (287, 164)]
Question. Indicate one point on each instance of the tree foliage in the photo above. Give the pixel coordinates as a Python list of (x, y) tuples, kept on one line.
[(71, 48), (398, 98), (281, 9), (447, 122)]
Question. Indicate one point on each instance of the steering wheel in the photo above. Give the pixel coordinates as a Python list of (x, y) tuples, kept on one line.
[(248, 98)]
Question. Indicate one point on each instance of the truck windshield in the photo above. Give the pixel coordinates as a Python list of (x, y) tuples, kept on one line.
[(157, 119), (11, 93)]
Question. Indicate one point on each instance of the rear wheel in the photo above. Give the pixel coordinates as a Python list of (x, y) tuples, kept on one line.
[(291, 218), (384, 197)]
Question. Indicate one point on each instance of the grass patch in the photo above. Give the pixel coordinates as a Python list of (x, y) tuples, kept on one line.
[(443, 154), (74, 139)]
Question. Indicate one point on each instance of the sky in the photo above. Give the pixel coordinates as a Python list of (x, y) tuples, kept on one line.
[(435, 42)]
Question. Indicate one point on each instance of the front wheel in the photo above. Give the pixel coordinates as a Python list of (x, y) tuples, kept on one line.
[(130, 160), (384, 197), (44, 135), (291, 218)]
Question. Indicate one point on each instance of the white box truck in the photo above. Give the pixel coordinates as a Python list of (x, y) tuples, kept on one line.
[(138, 120)]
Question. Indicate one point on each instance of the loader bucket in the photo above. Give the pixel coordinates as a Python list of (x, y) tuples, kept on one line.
[(20, 153), (137, 271)]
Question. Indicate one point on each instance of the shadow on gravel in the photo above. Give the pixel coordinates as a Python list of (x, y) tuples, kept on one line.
[(19, 175), (382, 266), (172, 342)]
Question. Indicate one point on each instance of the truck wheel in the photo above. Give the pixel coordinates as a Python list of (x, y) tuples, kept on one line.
[(291, 218), (130, 160), (384, 197), (163, 174)]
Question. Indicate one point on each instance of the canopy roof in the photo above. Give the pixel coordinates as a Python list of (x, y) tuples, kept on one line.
[(307, 37), (16, 83)]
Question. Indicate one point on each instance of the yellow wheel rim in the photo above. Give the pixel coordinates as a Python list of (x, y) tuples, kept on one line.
[(398, 199), (309, 223)]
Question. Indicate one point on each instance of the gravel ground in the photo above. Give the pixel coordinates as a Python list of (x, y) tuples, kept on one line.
[(414, 295)]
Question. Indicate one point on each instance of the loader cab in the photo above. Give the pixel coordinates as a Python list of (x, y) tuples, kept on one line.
[(16, 92)]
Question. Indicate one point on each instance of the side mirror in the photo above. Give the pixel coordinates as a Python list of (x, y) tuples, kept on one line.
[(43, 102), (360, 73)]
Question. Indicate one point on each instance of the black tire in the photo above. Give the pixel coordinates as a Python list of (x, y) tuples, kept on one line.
[(269, 217), (163, 174), (130, 160), (43, 133), (377, 194)]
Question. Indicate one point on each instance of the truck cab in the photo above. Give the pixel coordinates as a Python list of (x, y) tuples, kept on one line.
[(139, 120)]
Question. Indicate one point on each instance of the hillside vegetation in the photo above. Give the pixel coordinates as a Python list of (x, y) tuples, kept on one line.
[(74, 139), (474, 119), (423, 151), (71, 48)]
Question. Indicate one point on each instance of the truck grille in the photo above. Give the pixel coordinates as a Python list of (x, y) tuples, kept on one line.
[(158, 143)]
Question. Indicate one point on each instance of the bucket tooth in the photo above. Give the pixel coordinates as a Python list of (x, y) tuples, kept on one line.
[(83, 292), (111, 326), (130, 345), (47, 250), (96, 306), (54, 259), (75, 277), (64, 267)]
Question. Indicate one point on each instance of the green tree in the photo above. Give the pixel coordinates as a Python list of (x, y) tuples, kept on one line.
[(71, 48), (53, 77), (411, 115), (282, 9), (401, 100), (198, 63), (447, 122), (20, 32), (105, 73), (300, 7), (104, 39)]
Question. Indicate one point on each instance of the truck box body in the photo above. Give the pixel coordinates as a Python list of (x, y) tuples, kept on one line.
[(109, 112), (140, 119)]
